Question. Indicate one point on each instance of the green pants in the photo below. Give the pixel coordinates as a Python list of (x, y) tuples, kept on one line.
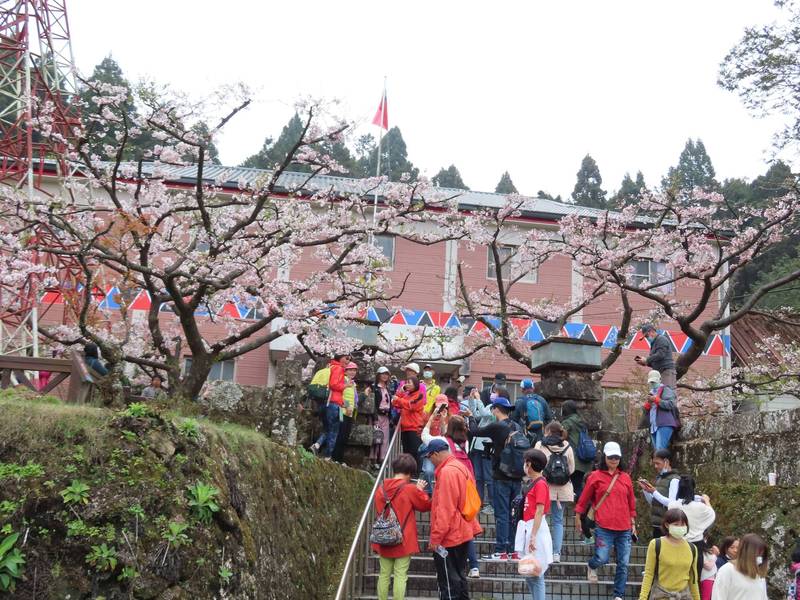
[(398, 566)]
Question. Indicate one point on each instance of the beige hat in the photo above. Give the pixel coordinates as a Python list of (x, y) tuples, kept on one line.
[(413, 367), (654, 377)]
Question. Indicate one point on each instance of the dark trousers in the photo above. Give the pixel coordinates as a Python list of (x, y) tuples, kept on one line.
[(451, 573), (411, 441), (577, 483), (701, 547), (345, 428)]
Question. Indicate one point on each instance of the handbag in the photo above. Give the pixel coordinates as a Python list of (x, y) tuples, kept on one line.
[(377, 436), (587, 519)]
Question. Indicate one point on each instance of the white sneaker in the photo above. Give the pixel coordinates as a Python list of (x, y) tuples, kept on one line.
[(474, 573), (591, 575), (556, 557), (314, 448), (617, 598)]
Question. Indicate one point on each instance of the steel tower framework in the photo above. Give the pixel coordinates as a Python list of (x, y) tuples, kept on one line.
[(37, 72)]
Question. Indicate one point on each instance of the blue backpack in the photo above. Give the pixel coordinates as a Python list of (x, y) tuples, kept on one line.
[(534, 412), (586, 450)]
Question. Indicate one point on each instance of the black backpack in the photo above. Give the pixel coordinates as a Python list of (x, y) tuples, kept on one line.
[(512, 458), (557, 470)]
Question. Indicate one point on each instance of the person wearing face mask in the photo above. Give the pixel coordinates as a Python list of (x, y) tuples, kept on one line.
[(660, 407), (669, 570), (745, 577), (664, 491), (432, 389)]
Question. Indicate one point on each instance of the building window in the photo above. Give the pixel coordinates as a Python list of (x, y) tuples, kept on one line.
[(513, 388), (507, 257), (386, 244), (220, 371), (645, 271)]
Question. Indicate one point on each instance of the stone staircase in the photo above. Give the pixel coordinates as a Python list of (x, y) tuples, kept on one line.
[(499, 580)]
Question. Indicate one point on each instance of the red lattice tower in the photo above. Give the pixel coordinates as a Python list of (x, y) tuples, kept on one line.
[(36, 72)]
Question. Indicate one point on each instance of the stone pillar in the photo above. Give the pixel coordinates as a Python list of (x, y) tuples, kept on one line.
[(567, 367)]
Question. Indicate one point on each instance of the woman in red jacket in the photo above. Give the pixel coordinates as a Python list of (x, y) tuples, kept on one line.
[(411, 403), (610, 491), (405, 498)]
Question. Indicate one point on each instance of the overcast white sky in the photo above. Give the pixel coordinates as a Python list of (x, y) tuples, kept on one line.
[(528, 87)]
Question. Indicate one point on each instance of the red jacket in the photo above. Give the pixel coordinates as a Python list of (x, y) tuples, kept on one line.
[(620, 506), (411, 405), (336, 383), (405, 502), (448, 526)]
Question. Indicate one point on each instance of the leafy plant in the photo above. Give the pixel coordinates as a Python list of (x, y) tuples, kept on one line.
[(78, 528), (102, 558), (137, 410), (189, 428), (15, 471), (174, 534), (201, 501), (225, 575), (11, 562), (7, 529), (76, 493), (129, 435), (127, 574), (7, 507)]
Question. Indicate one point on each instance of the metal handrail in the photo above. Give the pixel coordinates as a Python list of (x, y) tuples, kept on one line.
[(352, 581)]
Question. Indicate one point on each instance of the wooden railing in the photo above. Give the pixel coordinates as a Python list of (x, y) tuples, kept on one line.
[(81, 380)]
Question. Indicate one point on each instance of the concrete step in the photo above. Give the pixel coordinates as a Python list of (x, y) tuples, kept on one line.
[(507, 588), (571, 535), (569, 550), (424, 564)]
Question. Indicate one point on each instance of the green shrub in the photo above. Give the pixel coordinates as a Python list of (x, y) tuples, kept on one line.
[(174, 534), (102, 558), (76, 493), (189, 428), (137, 410), (13, 470), (201, 501), (11, 562)]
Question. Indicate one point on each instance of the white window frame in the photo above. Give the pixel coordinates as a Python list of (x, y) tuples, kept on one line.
[(652, 275), (390, 257), (218, 369), (531, 276)]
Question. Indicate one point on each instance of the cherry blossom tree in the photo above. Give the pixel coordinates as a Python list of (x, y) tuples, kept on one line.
[(698, 241), (198, 249)]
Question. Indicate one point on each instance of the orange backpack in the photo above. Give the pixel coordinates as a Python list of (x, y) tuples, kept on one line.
[(472, 501)]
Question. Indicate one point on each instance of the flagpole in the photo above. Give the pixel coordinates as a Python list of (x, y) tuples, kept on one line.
[(378, 167)]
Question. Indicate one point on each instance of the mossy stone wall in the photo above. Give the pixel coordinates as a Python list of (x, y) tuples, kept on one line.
[(284, 525)]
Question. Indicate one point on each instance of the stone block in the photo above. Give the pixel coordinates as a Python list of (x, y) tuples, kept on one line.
[(360, 435)]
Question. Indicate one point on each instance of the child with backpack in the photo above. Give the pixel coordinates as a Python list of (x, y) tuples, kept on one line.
[(394, 534), (560, 466)]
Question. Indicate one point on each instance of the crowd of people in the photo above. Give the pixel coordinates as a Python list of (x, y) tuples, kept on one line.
[(466, 451)]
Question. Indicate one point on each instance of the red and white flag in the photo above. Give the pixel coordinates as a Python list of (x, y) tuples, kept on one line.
[(381, 118)]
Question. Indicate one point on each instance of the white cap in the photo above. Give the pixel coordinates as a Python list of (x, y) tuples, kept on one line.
[(412, 366), (462, 379), (654, 377), (382, 370), (612, 449)]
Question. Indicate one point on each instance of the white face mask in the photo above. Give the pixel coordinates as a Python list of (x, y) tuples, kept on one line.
[(678, 531), (427, 374), (759, 560)]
